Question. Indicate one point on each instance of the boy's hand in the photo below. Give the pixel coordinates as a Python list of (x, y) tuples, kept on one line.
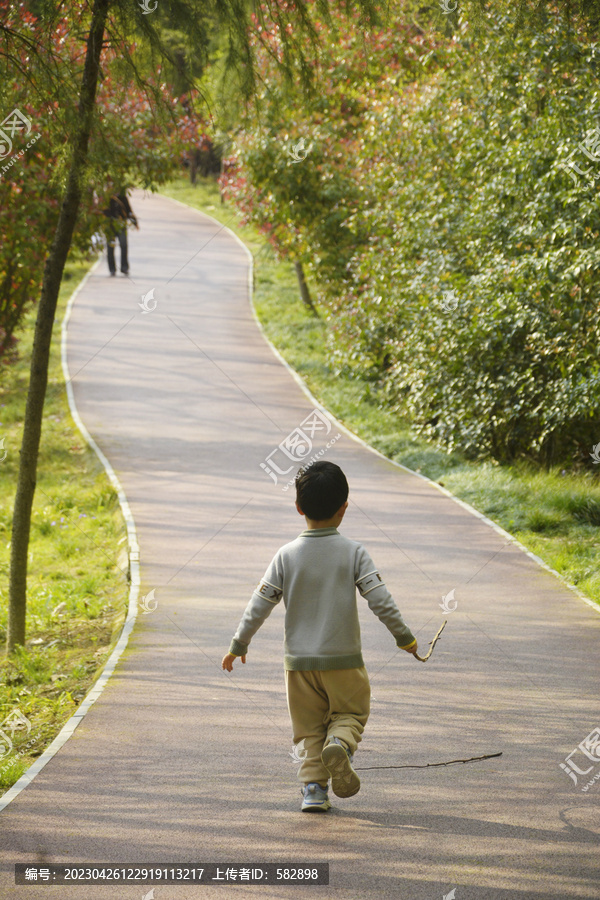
[(412, 648), (228, 661)]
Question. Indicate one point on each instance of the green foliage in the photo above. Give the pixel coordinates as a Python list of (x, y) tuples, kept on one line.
[(454, 246), (479, 298), (298, 171)]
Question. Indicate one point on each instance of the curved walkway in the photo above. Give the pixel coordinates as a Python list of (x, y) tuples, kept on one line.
[(179, 762)]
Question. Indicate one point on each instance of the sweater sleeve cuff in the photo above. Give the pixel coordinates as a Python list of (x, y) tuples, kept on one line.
[(408, 646), (238, 648)]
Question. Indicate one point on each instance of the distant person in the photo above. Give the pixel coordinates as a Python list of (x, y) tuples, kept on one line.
[(327, 684), (119, 213)]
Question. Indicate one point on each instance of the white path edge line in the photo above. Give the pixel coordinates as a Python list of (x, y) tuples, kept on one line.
[(134, 568), (355, 437)]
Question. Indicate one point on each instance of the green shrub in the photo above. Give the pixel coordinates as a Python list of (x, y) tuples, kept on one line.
[(477, 305)]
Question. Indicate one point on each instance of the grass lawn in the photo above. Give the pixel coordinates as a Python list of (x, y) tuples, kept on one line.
[(555, 514), (77, 591)]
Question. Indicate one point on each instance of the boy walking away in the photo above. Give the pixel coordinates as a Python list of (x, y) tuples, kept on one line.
[(327, 684)]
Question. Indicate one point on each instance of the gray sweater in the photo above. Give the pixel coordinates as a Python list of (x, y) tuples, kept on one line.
[(316, 575)]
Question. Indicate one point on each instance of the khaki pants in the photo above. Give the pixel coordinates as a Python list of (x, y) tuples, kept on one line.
[(333, 703)]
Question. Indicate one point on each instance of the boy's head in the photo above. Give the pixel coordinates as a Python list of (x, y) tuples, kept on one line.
[(321, 489)]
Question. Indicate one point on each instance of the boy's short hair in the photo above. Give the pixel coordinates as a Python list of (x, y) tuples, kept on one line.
[(320, 490)]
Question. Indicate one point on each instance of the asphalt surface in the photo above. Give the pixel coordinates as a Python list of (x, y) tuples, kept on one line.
[(179, 762)]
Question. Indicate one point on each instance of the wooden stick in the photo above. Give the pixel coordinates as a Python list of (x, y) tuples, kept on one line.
[(432, 645), (450, 762)]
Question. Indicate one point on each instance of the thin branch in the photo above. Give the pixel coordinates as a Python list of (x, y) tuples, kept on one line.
[(450, 762)]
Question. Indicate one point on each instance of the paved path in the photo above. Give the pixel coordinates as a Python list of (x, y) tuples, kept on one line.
[(181, 762)]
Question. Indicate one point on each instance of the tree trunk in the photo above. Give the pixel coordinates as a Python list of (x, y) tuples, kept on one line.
[(193, 158), (53, 271), (304, 292)]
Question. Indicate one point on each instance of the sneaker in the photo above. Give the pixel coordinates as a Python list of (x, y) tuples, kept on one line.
[(315, 798), (337, 759)]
